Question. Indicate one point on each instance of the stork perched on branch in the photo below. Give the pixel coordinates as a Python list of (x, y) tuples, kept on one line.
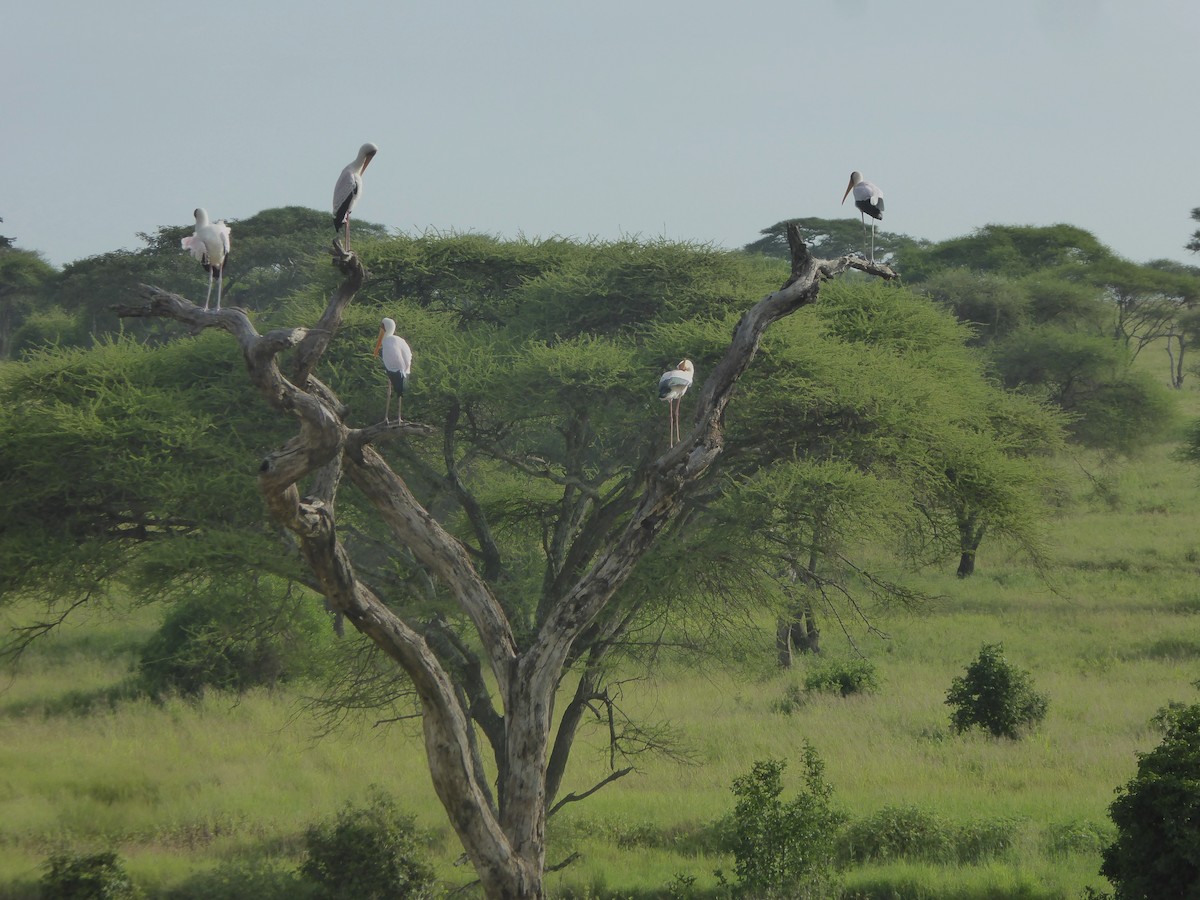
[(349, 188), (671, 387), (397, 364), (209, 245), (869, 201)]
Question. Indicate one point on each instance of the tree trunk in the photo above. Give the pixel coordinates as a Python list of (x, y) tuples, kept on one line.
[(1177, 373), (799, 631), (970, 537), (504, 836)]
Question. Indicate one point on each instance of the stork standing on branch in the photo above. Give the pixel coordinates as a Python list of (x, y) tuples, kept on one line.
[(869, 200), (349, 188), (209, 245), (671, 387), (397, 363)]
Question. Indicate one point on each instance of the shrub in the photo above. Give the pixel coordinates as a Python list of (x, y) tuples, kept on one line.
[(897, 832), (784, 849), (995, 695), (368, 853), (854, 676), (909, 832), (99, 876), (262, 879), (1157, 814), (792, 701), (1080, 836), (236, 635)]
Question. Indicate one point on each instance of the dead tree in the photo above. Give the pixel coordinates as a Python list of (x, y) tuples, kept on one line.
[(502, 833)]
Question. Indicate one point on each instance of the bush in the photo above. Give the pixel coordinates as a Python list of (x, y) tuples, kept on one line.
[(784, 849), (236, 635), (368, 853), (262, 879), (99, 876), (911, 833), (1157, 814), (996, 696), (1080, 836), (854, 676), (897, 832)]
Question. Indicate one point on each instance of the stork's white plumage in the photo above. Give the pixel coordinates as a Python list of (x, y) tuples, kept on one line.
[(397, 363), (869, 201), (671, 387), (349, 188), (210, 245)]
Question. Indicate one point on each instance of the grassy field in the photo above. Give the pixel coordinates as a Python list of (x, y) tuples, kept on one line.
[(1111, 632)]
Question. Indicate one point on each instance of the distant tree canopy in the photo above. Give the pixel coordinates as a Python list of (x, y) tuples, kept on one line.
[(1060, 315), (23, 277), (831, 238), (1194, 243), (274, 253)]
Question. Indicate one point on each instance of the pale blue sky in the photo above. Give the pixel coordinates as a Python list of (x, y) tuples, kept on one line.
[(692, 120)]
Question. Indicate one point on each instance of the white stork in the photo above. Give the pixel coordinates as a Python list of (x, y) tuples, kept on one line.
[(397, 363), (869, 200), (348, 188), (671, 387), (210, 245)]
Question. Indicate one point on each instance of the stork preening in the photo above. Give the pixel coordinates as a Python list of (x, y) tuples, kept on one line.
[(210, 245), (671, 387), (397, 364), (869, 200), (349, 188)]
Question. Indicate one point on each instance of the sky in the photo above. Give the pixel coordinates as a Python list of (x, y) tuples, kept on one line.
[(700, 121)]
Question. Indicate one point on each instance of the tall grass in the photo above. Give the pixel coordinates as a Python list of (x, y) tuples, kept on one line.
[(1110, 632)]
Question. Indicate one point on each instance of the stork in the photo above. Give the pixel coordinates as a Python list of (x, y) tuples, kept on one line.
[(210, 245), (349, 187), (397, 364), (869, 200), (671, 387)]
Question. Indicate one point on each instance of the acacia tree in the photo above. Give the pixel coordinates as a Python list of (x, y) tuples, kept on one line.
[(503, 833), (22, 275)]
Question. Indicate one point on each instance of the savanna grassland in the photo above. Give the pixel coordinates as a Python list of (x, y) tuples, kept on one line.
[(1109, 630)]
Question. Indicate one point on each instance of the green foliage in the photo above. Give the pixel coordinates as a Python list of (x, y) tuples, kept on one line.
[(831, 238), (911, 833), (260, 879), (52, 326), (845, 677), (1080, 836), (995, 695), (1088, 377), (784, 848), (1157, 815), (368, 852), (1010, 251), (22, 278), (991, 305), (96, 876), (237, 634), (128, 464)]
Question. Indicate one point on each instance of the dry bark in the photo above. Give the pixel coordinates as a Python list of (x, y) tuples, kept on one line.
[(502, 835)]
